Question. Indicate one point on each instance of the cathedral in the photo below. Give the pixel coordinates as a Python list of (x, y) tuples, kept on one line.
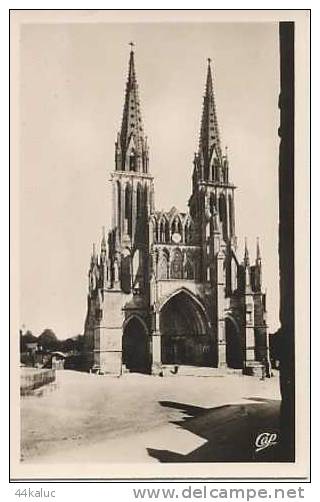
[(166, 289)]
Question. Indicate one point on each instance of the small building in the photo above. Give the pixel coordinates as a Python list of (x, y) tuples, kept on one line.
[(57, 360), (32, 347)]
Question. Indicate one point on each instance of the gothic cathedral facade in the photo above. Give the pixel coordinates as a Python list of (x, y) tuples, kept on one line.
[(166, 288)]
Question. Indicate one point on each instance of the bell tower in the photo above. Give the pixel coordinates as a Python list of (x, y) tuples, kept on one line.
[(212, 200), (133, 190)]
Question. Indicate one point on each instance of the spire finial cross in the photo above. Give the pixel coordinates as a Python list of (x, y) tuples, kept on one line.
[(132, 44), (209, 61)]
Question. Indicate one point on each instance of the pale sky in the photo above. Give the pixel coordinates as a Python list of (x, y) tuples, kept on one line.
[(72, 94)]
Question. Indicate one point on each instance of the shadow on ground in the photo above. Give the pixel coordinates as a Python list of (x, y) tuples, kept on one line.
[(230, 432)]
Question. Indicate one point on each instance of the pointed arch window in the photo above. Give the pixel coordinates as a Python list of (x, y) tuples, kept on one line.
[(128, 208), (132, 160), (155, 231), (118, 186), (177, 265), (163, 266), (162, 231), (212, 203), (188, 230), (145, 163), (176, 226), (231, 215), (146, 197), (223, 216), (139, 200), (189, 269), (206, 172)]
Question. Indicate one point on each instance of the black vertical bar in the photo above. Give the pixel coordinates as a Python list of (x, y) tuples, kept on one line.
[(286, 241)]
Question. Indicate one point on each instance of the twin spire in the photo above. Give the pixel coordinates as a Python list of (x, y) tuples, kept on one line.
[(252, 273), (246, 259), (132, 119), (132, 152), (210, 164), (209, 131)]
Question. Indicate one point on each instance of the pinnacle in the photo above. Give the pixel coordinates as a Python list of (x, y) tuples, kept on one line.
[(246, 253), (103, 240), (258, 250)]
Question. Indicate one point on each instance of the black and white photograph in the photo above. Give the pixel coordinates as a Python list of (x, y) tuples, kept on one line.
[(159, 308)]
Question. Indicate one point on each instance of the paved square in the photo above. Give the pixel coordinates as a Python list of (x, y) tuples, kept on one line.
[(140, 418)]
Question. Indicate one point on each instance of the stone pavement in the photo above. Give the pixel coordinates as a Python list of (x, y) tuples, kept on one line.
[(149, 419)]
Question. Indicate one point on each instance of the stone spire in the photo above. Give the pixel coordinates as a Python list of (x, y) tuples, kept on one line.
[(131, 145), (258, 255), (246, 259), (103, 247), (103, 241), (258, 268), (93, 254), (247, 268), (209, 131)]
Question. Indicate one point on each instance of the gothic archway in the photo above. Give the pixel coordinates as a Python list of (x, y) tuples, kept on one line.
[(234, 352), (184, 332), (135, 346)]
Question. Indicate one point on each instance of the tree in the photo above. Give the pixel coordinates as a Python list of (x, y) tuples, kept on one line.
[(48, 340), (68, 345), (79, 343)]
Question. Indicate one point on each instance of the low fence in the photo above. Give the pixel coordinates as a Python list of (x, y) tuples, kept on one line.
[(31, 379)]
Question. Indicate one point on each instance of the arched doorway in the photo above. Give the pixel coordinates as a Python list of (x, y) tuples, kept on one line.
[(234, 352), (184, 329), (135, 346)]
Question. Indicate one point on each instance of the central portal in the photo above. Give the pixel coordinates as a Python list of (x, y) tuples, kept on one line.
[(185, 338)]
